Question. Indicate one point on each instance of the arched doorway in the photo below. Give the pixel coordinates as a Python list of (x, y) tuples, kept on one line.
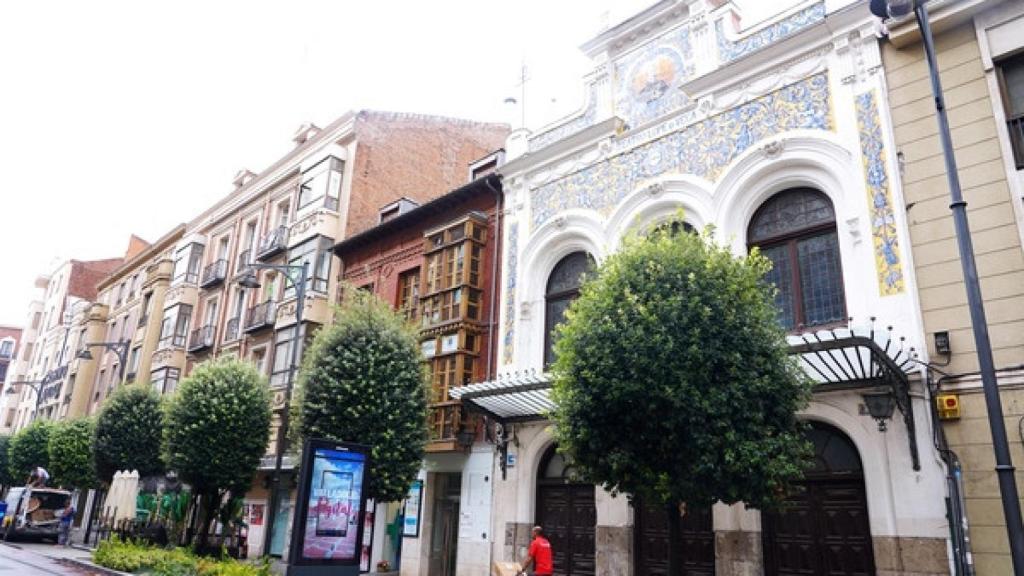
[(824, 528), (566, 511)]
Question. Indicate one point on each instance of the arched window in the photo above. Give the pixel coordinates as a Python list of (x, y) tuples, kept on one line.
[(796, 230), (563, 287)]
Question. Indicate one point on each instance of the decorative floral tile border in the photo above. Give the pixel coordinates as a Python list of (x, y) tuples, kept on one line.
[(883, 221), (701, 149), (511, 266), (729, 50)]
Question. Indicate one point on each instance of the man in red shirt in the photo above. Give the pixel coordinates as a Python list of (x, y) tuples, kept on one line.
[(539, 554)]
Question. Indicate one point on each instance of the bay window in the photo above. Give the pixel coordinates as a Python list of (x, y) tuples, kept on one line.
[(316, 254), (321, 184), (174, 329)]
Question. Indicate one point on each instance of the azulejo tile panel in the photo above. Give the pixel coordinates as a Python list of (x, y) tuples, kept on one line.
[(511, 266), (729, 50), (883, 220), (702, 149), (570, 127), (647, 80)]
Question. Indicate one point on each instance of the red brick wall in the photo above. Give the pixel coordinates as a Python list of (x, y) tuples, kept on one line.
[(86, 274), (418, 157), (381, 262)]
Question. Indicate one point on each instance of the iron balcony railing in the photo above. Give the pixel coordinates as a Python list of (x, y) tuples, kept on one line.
[(1015, 126), (273, 243), (231, 332), (260, 316), (243, 262), (201, 338), (214, 273), (143, 320)]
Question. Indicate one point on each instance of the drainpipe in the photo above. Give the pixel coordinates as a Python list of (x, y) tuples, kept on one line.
[(495, 261)]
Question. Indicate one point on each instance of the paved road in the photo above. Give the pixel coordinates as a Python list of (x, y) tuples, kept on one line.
[(19, 560)]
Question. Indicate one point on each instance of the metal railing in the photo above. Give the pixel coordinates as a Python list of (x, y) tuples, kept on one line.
[(1015, 126), (260, 316), (201, 338), (243, 262), (214, 273), (273, 243), (231, 331)]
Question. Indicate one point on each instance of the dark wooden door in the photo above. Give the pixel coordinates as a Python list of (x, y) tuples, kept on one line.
[(652, 542), (824, 529), (569, 517)]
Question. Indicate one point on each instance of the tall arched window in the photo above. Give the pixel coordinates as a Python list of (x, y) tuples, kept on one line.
[(563, 287), (796, 230)]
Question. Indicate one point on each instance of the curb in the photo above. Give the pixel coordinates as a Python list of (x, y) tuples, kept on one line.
[(92, 567)]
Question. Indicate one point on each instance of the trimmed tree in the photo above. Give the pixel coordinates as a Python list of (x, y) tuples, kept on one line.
[(217, 427), (6, 479), (362, 381), (128, 433), (29, 448), (71, 460), (673, 382)]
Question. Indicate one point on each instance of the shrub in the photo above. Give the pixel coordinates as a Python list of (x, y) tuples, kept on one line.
[(71, 459), (128, 433), (140, 558), (29, 448)]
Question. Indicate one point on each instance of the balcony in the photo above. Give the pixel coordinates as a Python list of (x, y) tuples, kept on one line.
[(1015, 126), (243, 262), (444, 424), (214, 273), (260, 316), (201, 338), (231, 331), (273, 243), (143, 320)]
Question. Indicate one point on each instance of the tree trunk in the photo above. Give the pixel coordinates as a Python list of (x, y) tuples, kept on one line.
[(209, 515), (675, 540)]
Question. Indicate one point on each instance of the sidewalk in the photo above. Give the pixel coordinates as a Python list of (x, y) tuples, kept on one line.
[(79, 557)]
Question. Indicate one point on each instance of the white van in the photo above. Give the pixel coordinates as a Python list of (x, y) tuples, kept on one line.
[(34, 511)]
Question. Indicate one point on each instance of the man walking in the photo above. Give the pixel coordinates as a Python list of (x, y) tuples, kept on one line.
[(539, 554), (67, 516)]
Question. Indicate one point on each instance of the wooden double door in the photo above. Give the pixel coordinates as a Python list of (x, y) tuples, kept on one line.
[(824, 528), (569, 518), (652, 544)]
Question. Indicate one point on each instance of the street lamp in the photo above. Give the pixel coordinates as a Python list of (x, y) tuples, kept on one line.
[(1004, 465), (36, 386), (120, 348), (297, 277)]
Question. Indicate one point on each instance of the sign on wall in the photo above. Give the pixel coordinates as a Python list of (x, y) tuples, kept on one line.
[(413, 509)]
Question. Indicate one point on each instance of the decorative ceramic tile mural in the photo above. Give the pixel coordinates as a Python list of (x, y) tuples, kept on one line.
[(570, 127), (647, 80), (511, 265), (701, 149), (729, 50), (883, 221)]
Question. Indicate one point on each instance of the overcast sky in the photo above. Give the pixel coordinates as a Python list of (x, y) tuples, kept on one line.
[(122, 117)]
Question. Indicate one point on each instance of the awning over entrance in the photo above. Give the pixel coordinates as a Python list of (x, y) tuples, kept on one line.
[(837, 359)]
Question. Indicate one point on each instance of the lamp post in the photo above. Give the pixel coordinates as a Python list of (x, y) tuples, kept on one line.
[(1004, 465), (36, 386), (120, 348), (297, 277)]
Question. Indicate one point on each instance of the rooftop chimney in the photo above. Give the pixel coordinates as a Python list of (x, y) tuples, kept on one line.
[(304, 133)]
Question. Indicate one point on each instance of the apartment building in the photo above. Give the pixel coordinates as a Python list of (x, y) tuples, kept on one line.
[(980, 54), (291, 214), (48, 344), (438, 264), (10, 336)]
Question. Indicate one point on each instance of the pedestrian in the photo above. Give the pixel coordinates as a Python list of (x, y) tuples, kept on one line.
[(539, 554), (67, 516), (38, 477)]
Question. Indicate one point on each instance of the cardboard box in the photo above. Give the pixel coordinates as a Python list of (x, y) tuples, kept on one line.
[(507, 568)]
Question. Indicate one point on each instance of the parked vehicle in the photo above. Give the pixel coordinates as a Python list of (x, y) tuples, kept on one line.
[(34, 511)]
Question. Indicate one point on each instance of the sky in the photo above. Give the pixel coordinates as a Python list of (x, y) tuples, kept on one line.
[(130, 117)]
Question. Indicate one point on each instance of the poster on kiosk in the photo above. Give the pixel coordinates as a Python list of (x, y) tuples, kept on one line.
[(327, 527)]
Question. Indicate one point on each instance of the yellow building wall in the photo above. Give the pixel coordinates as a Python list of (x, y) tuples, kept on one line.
[(1000, 260)]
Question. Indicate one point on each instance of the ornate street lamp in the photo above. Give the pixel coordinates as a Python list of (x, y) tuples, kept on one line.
[(120, 348), (880, 407), (297, 277), (1004, 465)]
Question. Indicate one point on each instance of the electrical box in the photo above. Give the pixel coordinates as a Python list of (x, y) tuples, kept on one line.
[(948, 406)]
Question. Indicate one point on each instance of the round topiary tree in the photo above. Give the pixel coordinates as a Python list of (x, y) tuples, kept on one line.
[(6, 479), (217, 426), (673, 382), (362, 381), (129, 430), (29, 448), (71, 459)]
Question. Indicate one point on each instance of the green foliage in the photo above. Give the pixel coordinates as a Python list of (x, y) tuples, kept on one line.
[(6, 478), (128, 433), (29, 448), (71, 460), (217, 426), (136, 557), (362, 381), (672, 379)]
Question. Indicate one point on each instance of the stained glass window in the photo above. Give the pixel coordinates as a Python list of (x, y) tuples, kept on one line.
[(796, 230), (563, 287)]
